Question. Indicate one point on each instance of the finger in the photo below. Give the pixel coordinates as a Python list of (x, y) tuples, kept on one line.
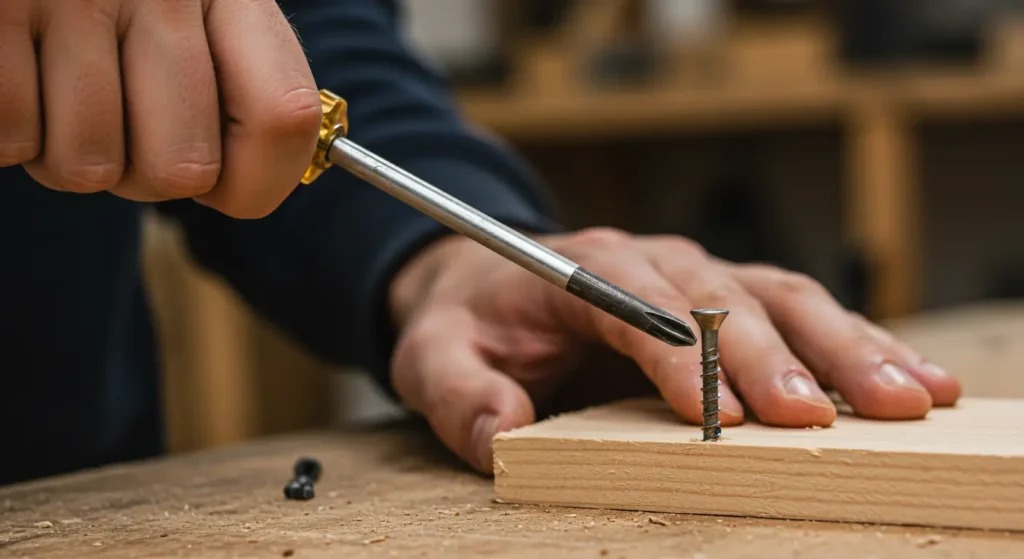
[(20, 132), (81, 77), (171, 94), (943, 387), (769, 377), (866, 373), (612, 255), (437, 371), (271, 102)]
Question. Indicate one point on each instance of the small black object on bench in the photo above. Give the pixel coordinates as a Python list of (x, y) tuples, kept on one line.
[(306, 473)]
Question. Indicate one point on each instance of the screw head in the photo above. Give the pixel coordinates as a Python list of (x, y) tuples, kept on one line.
[(293, 490), (298, 491), (709, 319)]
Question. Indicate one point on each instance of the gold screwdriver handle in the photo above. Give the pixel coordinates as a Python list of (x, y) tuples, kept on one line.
[(333, 124)]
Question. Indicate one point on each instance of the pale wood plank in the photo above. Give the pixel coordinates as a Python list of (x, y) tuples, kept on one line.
[(959, 467), (401, 483)]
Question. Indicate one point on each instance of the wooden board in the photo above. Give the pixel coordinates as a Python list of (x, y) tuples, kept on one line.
[(959, 467), (395, 492)]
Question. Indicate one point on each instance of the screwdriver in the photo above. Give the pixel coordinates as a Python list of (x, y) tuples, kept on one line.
[(334, 148)]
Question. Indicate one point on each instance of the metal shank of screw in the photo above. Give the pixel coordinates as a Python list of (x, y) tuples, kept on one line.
[(709, 387), (709, 321), (334, 148)]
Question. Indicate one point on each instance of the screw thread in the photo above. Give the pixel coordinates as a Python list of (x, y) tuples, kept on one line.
[(709, 376)]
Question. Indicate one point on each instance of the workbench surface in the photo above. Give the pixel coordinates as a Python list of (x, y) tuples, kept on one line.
[(393, 491)]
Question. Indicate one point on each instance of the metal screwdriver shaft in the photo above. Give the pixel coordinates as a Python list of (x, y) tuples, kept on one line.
[(335, 149), (709, 321)]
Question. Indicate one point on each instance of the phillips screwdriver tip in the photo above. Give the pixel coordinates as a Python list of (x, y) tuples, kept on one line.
[(630, 309), (670, 329)]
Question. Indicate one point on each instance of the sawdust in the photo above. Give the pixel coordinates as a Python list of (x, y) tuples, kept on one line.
[(238, 511)]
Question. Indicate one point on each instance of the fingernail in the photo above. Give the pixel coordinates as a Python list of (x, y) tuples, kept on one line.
[(800, 387), (933, 370), (483, 431), (894, 376)]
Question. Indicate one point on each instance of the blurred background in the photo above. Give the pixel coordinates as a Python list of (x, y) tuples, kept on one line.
[(875, 145)]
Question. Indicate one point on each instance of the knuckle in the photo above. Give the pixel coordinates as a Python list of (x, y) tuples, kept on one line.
[(717, 295), (602, 237), (663, 297), (185, 179), (89, 177), (241, 207), (684, 247), (797, 284), (296, 113), (16, 153)]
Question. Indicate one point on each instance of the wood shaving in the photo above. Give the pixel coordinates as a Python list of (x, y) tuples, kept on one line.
[(656, 520), (377, 539), (44, 524), (929, 541)]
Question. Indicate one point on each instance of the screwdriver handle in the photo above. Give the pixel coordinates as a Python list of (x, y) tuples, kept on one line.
[(333, 124)]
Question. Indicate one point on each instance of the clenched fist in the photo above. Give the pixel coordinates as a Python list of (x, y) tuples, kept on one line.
[(158, 99)]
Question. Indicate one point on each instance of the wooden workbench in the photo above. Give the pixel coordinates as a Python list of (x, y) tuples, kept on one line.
[(392, 491)]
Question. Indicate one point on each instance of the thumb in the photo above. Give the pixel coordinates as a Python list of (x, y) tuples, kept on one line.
[(439, 372)]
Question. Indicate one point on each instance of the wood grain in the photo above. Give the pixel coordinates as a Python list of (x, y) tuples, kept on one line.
[(959, 467), (395, 492)]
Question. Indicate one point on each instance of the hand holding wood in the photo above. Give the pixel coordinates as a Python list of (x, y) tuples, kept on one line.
[(483, 343)]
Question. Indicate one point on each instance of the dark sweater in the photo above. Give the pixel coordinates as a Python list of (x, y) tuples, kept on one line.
[(79, 387)]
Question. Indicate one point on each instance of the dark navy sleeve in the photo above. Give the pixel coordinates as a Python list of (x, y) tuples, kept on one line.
[(320, 265)]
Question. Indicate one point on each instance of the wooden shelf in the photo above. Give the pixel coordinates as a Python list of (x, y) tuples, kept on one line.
[(640, 113), (666, 109)]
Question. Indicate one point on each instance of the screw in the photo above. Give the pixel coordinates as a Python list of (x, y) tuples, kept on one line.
[(298, 490), (709, 321), (307, 472)]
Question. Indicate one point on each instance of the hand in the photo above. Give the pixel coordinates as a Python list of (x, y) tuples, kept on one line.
[(483, 341), (205, 99)]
